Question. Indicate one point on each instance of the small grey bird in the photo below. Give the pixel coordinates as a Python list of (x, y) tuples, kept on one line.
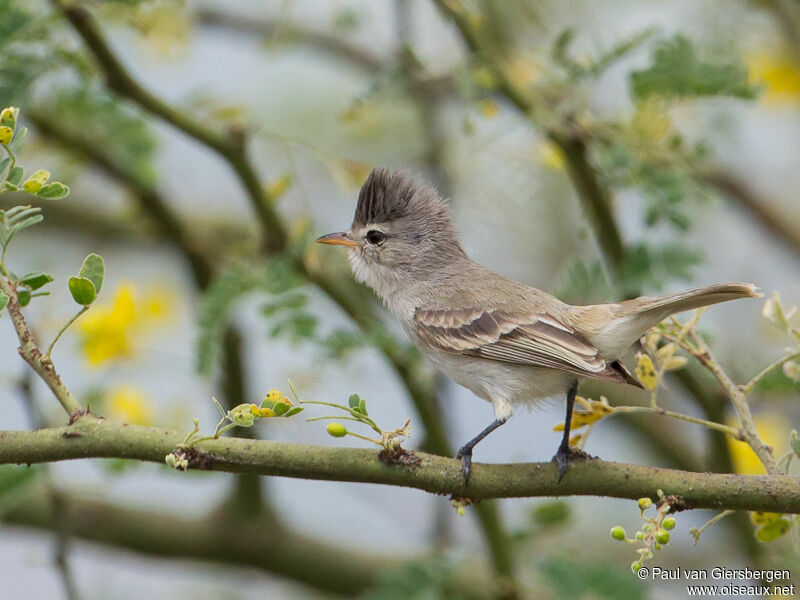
[(509, 343)]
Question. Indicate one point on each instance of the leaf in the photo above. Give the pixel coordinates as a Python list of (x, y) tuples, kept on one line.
[(53, 191), (4, 163), (3, 300), (293, 411), (23, 297), (280, 408), (13, 479), (93, 269), (677, 71), (354, 401), (549, 514), (36, 280), (773, 530), (15, 177), (794, 442), (82, 290)]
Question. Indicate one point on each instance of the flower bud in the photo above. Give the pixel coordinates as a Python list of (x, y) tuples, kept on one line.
[(8, 117), (337, 430), (617, 533), (662, 536), (645, 503), (6, 133), (669, 523), (635, 566), (35, 182)]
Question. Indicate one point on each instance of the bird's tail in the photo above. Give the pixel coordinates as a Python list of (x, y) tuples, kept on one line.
[(628, 320), (663, 306)]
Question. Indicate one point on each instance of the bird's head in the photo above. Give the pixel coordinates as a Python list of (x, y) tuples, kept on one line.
[(401, 234)]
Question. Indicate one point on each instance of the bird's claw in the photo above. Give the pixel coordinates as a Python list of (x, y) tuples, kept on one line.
[(561, 459), (466, 463)]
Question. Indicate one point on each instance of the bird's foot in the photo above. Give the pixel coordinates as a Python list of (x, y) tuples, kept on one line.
[(561, 459), (464, 454), (564, 454)]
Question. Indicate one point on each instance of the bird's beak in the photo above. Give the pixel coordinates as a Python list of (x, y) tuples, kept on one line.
[(341, 238)]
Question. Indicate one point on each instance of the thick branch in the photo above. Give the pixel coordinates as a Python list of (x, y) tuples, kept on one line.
[(89, 437), (259, 542)]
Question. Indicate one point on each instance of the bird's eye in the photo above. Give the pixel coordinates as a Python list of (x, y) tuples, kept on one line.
[(375, 237)]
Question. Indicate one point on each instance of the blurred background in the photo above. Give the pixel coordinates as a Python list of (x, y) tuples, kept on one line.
[(597, 150)]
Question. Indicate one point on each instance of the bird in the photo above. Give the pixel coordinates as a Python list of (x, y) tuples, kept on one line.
[(509, 343)]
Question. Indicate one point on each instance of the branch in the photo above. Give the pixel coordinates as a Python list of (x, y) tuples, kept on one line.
[(30, 351), (90, 437), (230, 147), (596, 199), (775, 223), (259, 541), (327, 44)]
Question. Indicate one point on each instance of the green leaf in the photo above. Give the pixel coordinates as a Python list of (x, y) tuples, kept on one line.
[(23, 297), (4, 163), (362, 407), (549, 514), (794, 441), (280, 408), (677, 71), (13, 479), (53, 191), (82, 290), (773, 530), (15, 177), (354, 400), (3, 300), (293, 411), (93, 269), (36, 280)]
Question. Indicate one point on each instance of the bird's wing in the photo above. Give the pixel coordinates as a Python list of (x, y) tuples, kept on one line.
[(539, 340)]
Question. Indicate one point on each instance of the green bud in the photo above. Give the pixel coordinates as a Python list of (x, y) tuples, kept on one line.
[(657, 546), (635, 566), (337, 430), (617, 533), (645, 503), (647, 527), (669, 523), (35, 182), (639, 535), (662, 536), (170, 460)]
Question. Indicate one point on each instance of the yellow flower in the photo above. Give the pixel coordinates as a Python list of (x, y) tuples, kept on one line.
[(778, 72), (646, 372), (130, 405), (774, 430), (108, 331), (551, 156)]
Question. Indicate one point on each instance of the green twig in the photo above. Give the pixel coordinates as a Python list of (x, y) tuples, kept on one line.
[(63, 329)]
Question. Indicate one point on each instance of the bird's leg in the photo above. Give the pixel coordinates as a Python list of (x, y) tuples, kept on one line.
[(465, 452), (562, 455)]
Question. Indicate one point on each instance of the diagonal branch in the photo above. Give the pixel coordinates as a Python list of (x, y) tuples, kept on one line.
[(90, 437), (230, 147), (30, 351), (596, 199)]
